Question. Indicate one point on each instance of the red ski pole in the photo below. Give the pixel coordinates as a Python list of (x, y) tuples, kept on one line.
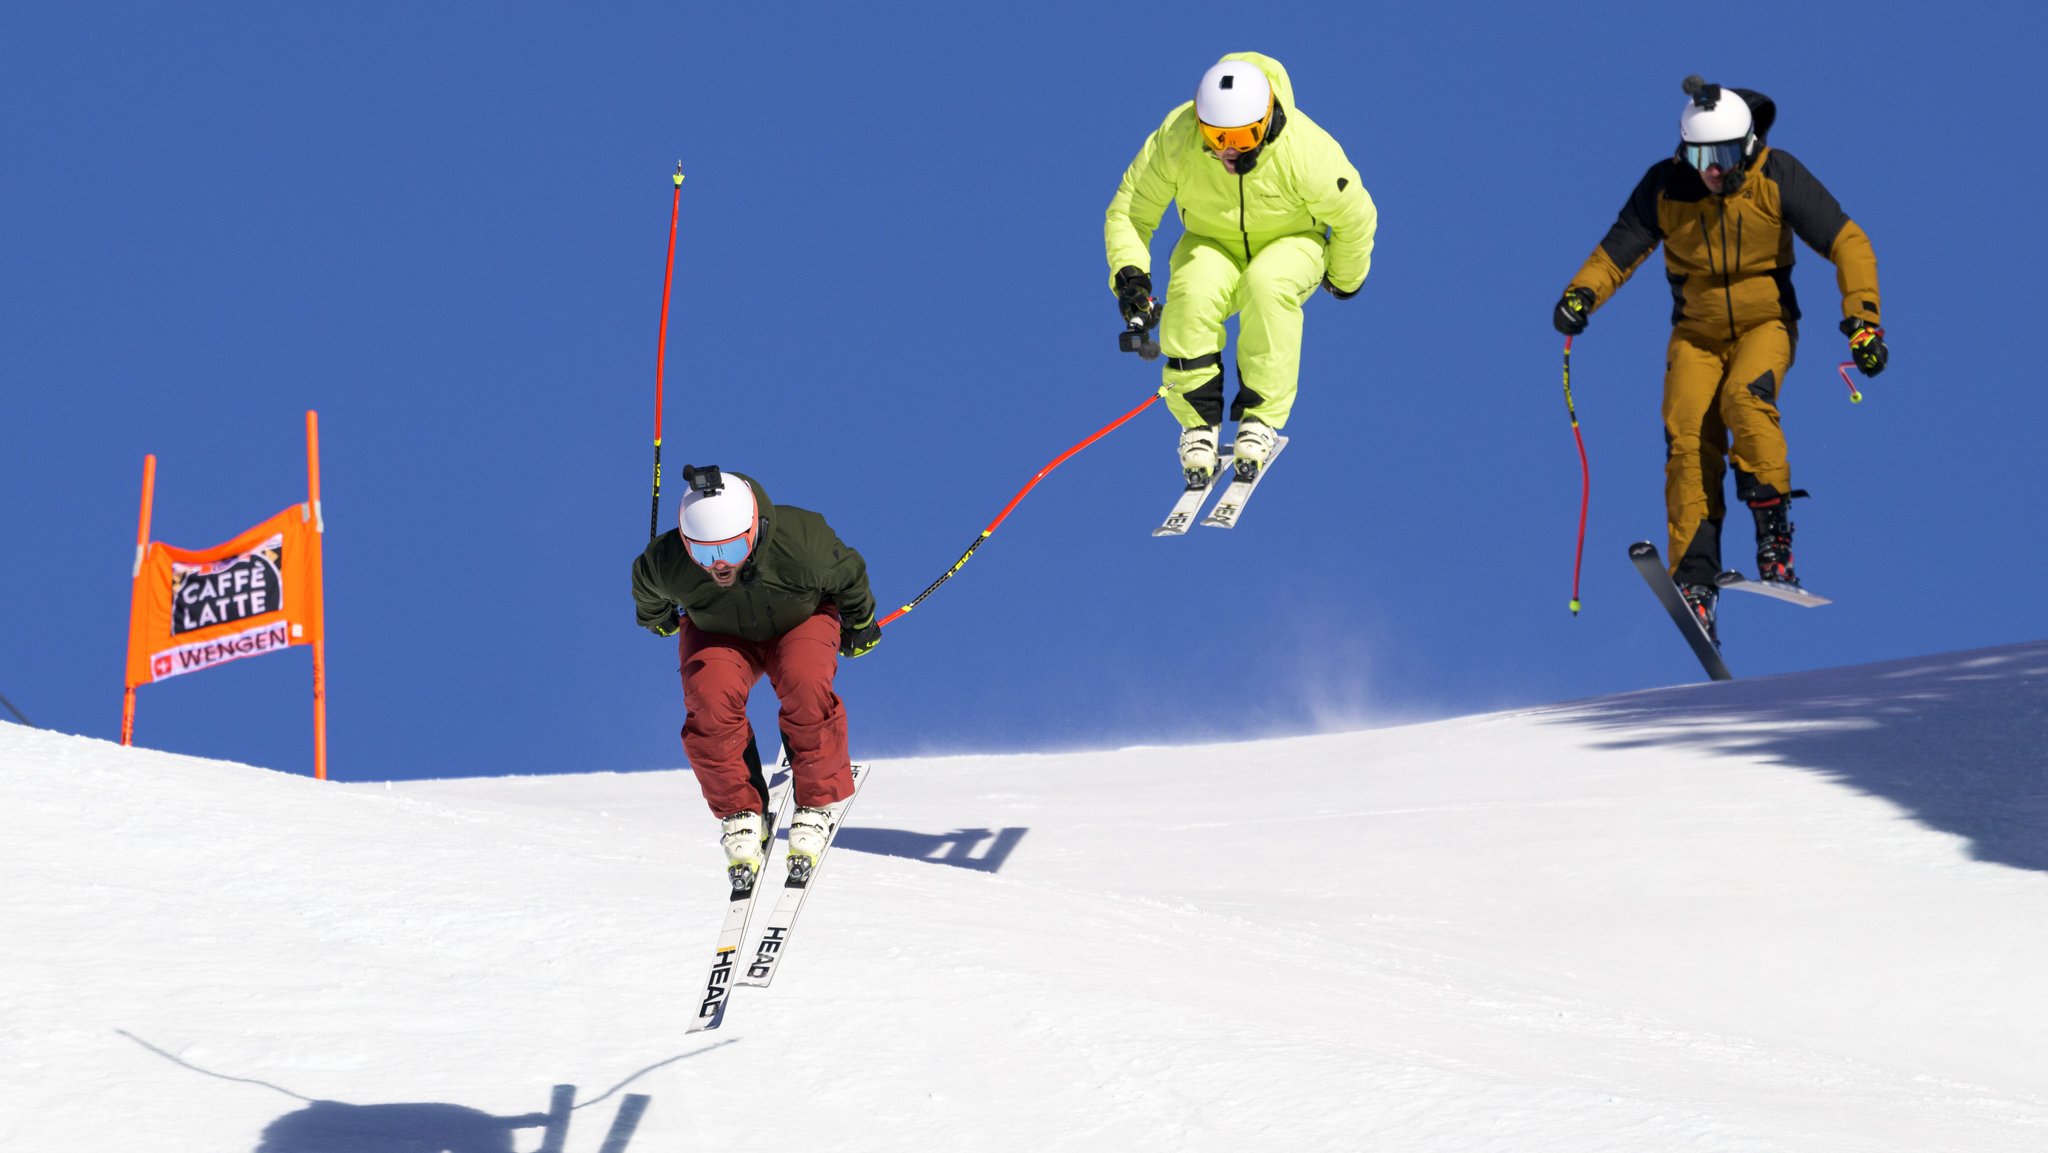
[(668, 279), (1585, 474), (1057, 461), (1855, 394)]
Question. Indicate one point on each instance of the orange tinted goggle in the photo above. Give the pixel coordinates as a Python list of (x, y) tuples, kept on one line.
[(1243, 139)]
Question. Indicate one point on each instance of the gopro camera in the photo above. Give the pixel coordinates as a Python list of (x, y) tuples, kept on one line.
[(1138, 340), (704, 478)]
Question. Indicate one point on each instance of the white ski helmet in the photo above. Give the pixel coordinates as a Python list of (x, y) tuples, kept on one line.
[(1713, 115), (1234, 104), (722, 525), (1716, 130)]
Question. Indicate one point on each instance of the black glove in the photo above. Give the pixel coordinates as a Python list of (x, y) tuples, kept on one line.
[(1574, 309), (856, 640), (1866, 346), (667, 626), (1134, 298), (1339, 293)]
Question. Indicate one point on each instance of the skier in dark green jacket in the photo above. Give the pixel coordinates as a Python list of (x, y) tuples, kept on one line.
[(759, 589)]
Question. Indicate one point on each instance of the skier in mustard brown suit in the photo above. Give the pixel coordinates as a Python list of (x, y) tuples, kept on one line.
[(1726, 207)]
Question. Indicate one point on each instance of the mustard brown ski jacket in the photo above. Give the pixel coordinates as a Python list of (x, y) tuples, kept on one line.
[(1300, 185), (1728, 258), (798, 563)]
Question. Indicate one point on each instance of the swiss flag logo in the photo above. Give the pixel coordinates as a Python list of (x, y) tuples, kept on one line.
[(160, 665)]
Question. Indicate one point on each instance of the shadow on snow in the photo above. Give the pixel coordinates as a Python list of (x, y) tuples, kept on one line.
[(434, 1127), (983, 850), (335, 1127), (1960, 740), (961, 848)]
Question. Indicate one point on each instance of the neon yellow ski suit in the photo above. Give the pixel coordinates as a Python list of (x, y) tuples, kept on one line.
[(1255, 244)]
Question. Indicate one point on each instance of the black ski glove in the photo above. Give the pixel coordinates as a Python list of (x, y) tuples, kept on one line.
[(1866, 346), (856, 640), (667, 626), (1574, 309), (1337, 292), (1134, 298)]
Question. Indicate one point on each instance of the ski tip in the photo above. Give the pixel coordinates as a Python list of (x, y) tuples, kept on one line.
[(1642, 548)]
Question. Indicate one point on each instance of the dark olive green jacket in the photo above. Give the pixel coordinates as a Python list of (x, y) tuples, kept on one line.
[(798, 563)]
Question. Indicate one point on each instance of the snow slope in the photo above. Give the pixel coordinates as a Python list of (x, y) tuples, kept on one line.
[(1805, 914)]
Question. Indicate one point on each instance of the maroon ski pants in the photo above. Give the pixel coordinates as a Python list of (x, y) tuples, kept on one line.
[(720, 671)]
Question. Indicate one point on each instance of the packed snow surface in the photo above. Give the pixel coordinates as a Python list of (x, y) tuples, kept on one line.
[(1806, 913)]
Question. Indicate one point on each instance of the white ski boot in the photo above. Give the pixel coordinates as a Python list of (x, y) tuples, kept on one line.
[(744, 838), (810, 830), (1255, 445), (1198, 455)]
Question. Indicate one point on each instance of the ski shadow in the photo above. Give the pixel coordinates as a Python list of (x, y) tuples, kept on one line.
[(425, 1127), (1959, 740), (982, 850)]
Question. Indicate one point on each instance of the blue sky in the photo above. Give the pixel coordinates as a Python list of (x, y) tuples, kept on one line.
[(443, 227)]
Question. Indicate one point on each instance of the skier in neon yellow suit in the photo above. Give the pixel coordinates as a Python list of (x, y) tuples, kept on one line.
[(1269, 209)]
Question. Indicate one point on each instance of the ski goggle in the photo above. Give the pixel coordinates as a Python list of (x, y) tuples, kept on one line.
[(732, 552), (1243, 139), (1726, 156)]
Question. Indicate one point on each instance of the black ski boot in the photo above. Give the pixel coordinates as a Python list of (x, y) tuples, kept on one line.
[(1700, 599), (1774, 539)]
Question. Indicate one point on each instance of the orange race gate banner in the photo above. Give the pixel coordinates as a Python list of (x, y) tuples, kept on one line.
[(195, 609)]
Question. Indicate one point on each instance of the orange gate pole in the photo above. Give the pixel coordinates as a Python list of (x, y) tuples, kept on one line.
[(320, 612), (141, 547)]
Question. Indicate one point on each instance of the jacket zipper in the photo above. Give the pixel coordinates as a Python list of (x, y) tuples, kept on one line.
[(1727, 276), (1240, 218)]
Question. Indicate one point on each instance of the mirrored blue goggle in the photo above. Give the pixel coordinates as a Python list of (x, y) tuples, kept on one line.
[(731, 552), (1727, 157)]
